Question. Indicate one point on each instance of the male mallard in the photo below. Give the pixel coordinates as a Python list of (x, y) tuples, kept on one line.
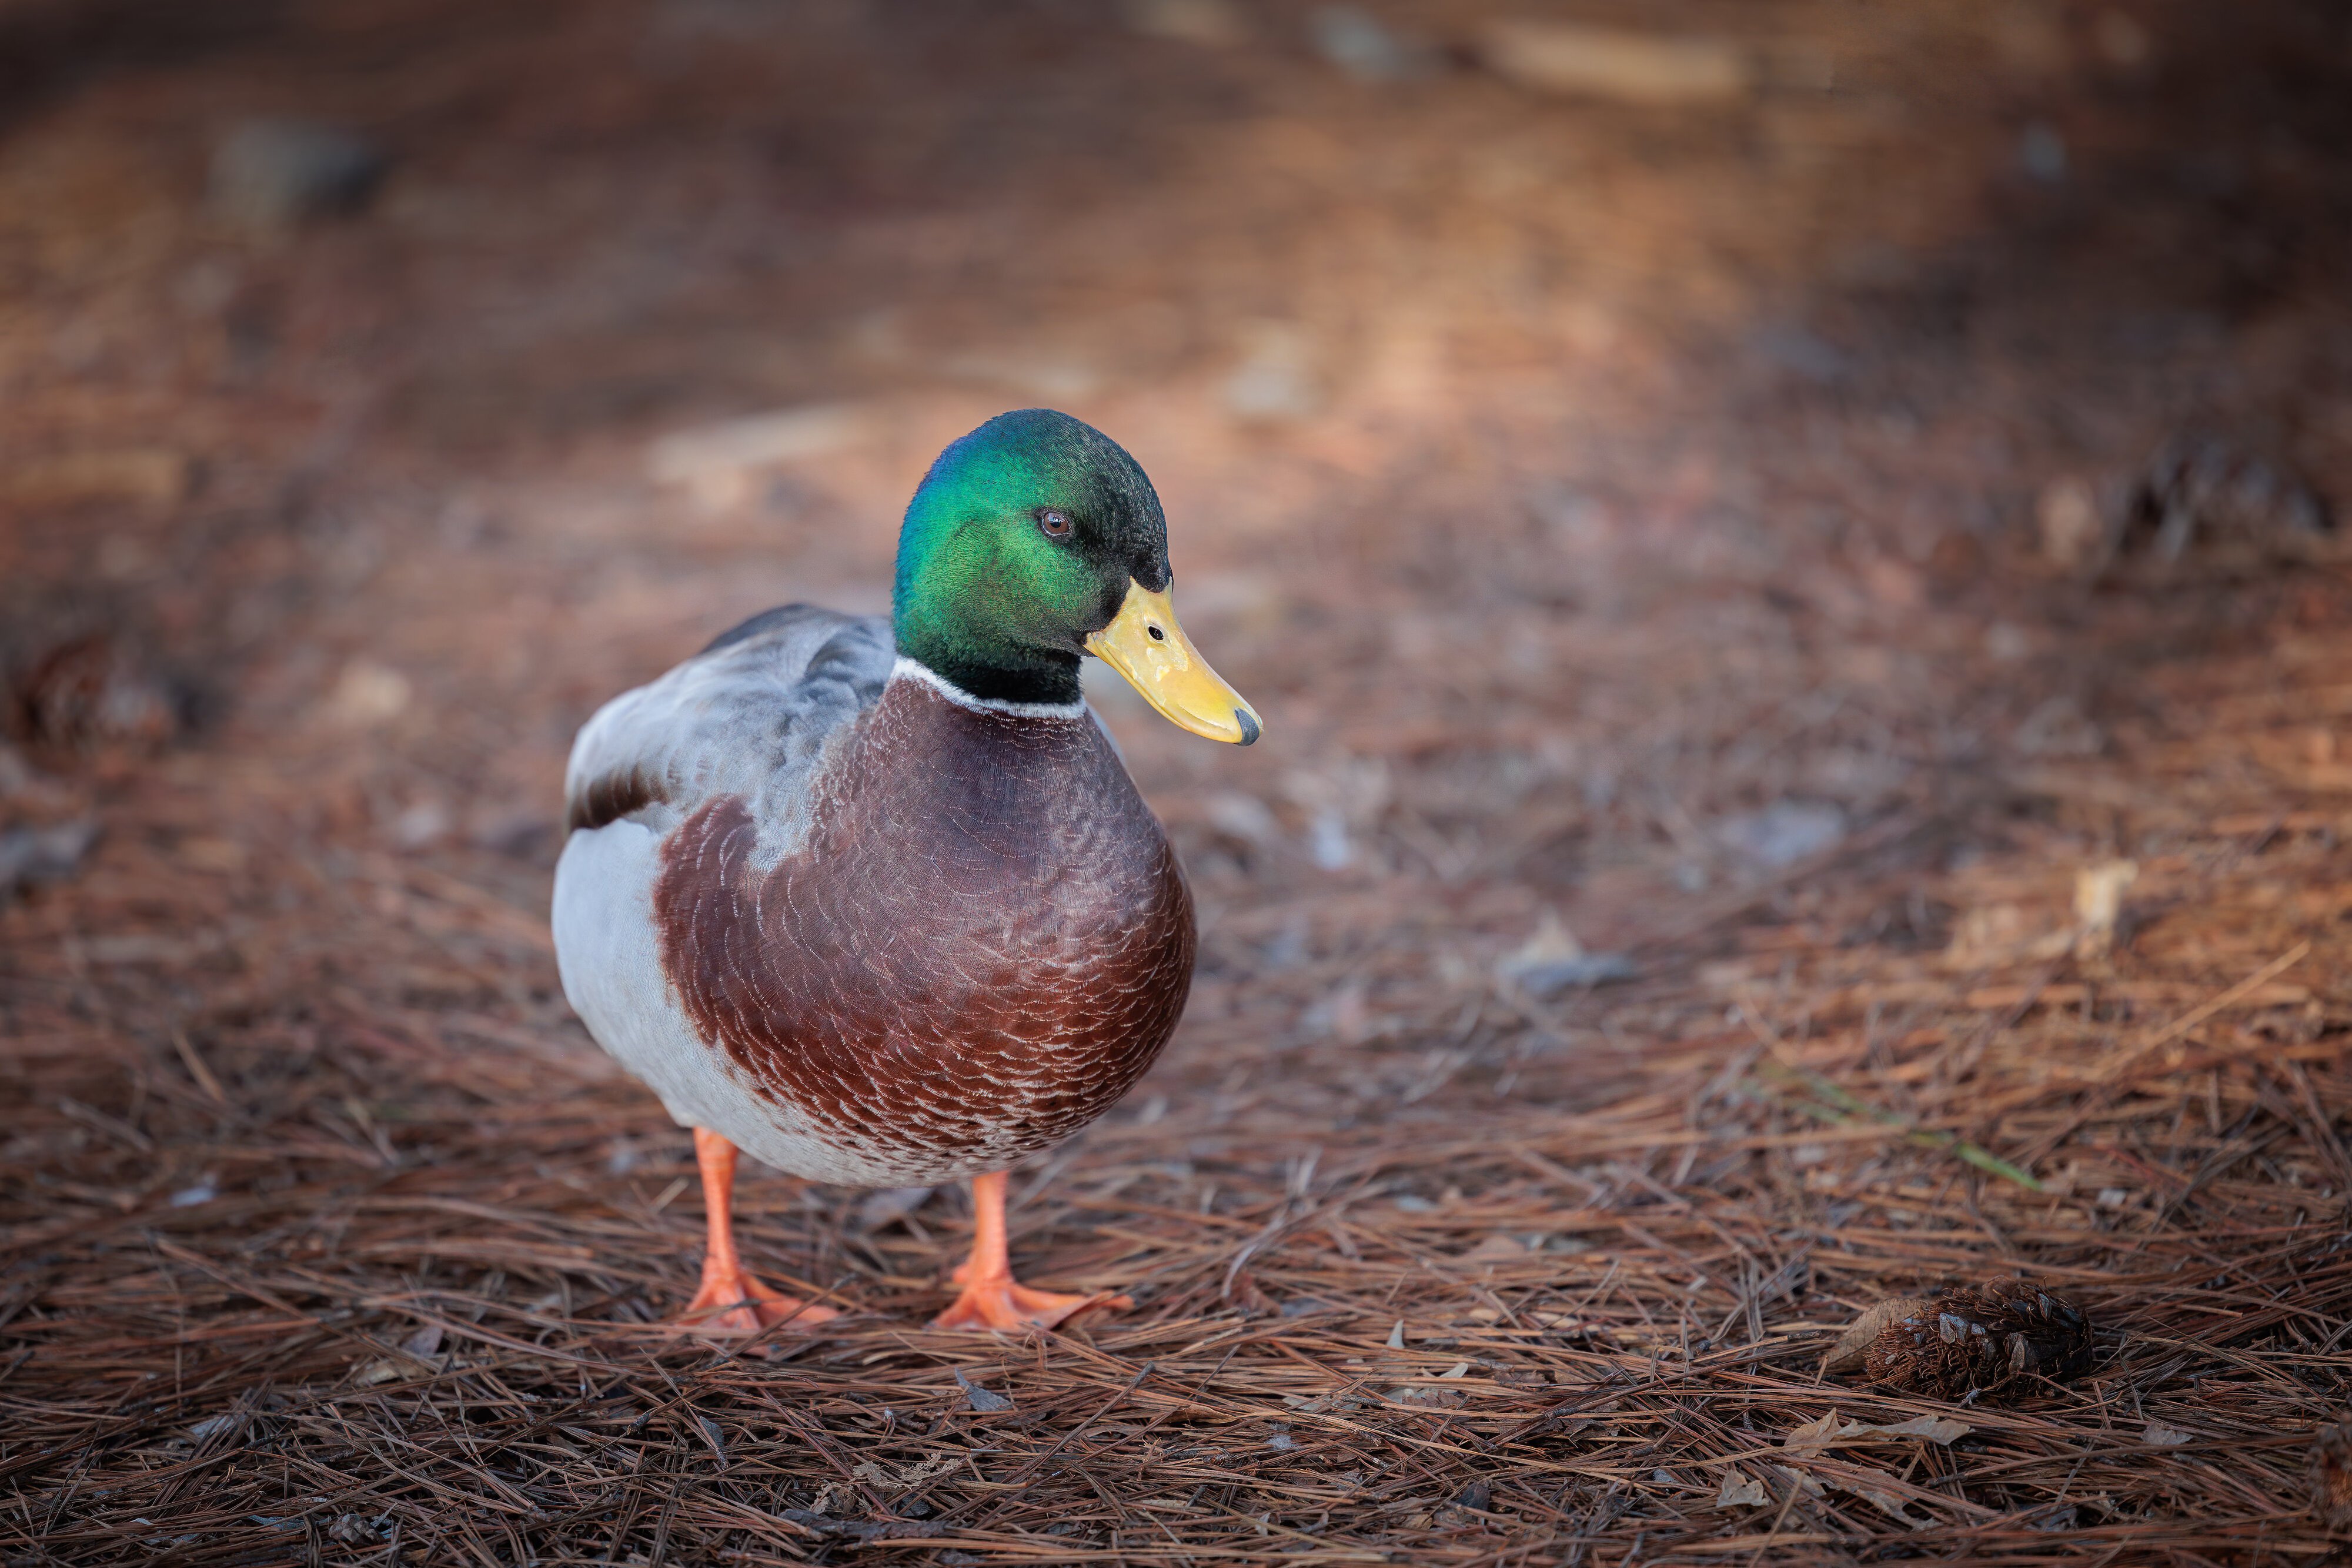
[(876, 900)]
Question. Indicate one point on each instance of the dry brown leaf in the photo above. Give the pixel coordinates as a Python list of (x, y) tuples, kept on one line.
[(2331, 1474), (1847, 1353), (1884, 1498), (1830, 1432)]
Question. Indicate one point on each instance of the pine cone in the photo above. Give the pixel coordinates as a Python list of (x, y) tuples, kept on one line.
[(1916, 1355), (1979, 1338), (2331, 1474), (89, 694), (2204, 490)]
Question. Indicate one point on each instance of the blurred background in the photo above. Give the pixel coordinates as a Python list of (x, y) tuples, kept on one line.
[(1611, 442), (1608, 441), (1712, 500)]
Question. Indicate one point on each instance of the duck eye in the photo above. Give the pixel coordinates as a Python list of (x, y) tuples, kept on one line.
[(1053, 523), (1157, 635)]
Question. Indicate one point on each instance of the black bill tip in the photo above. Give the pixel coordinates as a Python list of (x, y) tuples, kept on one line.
[(1250, 730)]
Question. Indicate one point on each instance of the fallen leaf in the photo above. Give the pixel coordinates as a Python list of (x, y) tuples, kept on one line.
[(153, 475), (1421, 1393), (1798, 1480), (2162, 1436), (1552, 960), (1846, 1354), (1812, 1437), (981, 1400), (1496, 1249), (1611, 63), (1934, 1428), (1740, 1491), (873, 1473), (2098, 905), (1828, 1432), (368, 693), (922, 1470), (1883, 1499)]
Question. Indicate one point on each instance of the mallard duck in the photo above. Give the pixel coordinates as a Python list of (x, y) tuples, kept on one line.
[(877, 899)]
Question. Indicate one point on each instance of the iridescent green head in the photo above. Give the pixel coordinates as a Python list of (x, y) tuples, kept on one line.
[(1019, 545), (1033, 541)]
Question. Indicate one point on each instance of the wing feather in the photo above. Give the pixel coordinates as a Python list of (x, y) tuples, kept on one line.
[(748, 715)]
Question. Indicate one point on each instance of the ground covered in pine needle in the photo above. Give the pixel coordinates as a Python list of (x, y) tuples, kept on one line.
[(1808, 761)]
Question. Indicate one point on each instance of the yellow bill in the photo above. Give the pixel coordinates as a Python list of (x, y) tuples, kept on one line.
[(1144, 644)]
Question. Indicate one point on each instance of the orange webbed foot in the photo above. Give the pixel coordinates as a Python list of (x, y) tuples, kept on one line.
[(736, 1304), (1004, 1304), (732, 1302), (992, 1298)]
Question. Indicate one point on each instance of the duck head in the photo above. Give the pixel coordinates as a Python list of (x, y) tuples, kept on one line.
[(1033, 541)]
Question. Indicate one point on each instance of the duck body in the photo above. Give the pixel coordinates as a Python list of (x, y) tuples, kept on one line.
[(875, 899), (863, 925)]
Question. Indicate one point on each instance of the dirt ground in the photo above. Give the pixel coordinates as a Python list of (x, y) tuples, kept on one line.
[(1842, 554)]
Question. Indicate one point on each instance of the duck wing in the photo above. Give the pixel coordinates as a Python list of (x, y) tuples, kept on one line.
[(749, 716)]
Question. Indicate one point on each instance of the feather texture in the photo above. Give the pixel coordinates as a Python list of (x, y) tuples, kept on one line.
[(869, 933), (749, 716)]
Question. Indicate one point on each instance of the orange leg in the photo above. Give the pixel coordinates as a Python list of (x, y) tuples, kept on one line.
[(730, 1301), (992, 1299)]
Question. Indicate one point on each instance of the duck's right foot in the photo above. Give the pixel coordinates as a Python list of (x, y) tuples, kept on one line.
[(732, 1302)]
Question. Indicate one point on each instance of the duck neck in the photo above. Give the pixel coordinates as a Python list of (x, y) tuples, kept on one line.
[(991, 672), (989, 698)]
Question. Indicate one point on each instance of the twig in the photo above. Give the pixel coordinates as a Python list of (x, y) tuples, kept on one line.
[(2198, 1014)]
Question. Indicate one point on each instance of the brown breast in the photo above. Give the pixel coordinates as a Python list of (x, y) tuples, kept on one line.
[(983, 941)]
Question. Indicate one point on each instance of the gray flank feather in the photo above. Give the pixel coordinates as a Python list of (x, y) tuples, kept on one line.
[(749, 716)]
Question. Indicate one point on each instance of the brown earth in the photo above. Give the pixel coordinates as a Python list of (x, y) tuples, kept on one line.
[(1729, 531)]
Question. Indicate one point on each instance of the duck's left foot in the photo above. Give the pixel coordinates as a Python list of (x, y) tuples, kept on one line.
[(731, 1302), (736, 1303), (1002, 1303), (992, 1299)]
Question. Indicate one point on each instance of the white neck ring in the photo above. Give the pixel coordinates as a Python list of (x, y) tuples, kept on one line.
[(917, 670)]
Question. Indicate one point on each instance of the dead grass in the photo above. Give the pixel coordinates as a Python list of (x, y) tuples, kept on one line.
[(357, 1281)]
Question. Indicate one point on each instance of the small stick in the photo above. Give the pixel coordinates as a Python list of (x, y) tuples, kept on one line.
[(2198, 1015), (195, 1066)]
